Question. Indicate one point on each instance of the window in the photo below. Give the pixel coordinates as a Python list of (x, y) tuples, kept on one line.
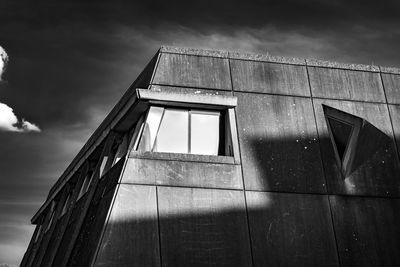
[(344, 129), (117, 150), (86, 183), (341, 132), (66, 204), (180, 130), (53, 211), (103, 165), (122, 149), (38, 232)]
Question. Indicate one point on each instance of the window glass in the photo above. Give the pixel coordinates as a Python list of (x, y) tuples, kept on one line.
[(204, 138), (38, 232), (53, 211), (177, 130), (86, 184), (122, 149), (66, 204), (103, 165), (150, 128), (50, 222), (173, 135)]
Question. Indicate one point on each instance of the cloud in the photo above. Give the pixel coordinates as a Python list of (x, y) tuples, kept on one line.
[(3, 61), (8, 120)]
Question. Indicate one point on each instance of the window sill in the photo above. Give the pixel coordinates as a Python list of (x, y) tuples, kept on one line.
[(182, 157)]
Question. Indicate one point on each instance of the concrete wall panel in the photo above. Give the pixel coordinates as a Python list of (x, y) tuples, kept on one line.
[(379, 173), (367, 231), (131, 234), (346, 84), (203, 227), (291, 230), (180, 173), (272, 78), (395, 115), (193, 71), (279, 144), (391, 84)]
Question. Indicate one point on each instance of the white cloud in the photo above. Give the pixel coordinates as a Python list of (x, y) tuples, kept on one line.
[(10, 122), (3, 61)]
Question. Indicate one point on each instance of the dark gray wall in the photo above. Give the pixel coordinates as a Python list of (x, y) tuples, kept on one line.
[(284, 202)]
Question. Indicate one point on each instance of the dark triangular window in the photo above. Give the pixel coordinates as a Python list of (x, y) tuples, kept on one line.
[(341, 132), (344, 129)]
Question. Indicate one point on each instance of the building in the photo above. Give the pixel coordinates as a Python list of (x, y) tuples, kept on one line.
[(216, 158)]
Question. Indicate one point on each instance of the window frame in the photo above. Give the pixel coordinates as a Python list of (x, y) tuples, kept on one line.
[(189, 123), (225, 104), (345, 162)]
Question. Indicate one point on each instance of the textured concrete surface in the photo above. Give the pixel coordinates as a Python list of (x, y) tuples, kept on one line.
[(271, 78), (192, 210)]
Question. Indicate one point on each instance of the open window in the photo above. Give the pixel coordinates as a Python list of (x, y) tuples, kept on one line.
[(186, 124), (344, 130), (180, 130)]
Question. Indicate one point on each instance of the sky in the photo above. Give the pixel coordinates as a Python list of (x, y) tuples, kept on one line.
[(65, 64)]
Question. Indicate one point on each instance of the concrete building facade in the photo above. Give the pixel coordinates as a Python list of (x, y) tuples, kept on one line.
[(216, 158)]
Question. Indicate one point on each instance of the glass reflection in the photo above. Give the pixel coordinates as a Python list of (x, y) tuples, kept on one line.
[(150, 128), (173, 135), (204, 130)]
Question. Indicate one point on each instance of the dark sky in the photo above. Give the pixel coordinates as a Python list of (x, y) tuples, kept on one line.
[(69, 62)]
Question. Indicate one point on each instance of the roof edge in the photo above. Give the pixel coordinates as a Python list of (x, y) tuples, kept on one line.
[(276, 59)]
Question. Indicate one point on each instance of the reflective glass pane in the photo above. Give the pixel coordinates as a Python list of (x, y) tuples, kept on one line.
[(204, 138), (135, 134), (66, 204), (53, 211), (38, 232), (122, 149), (173, 134), (150, 128), (103, 165)]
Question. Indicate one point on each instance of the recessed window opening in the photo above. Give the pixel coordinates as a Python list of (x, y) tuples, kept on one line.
[(53, 211), (182, 130), (122, 148), (341, 132), (86, 183), (38, 232), (103, 165), (344, 129), (66, 204)]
